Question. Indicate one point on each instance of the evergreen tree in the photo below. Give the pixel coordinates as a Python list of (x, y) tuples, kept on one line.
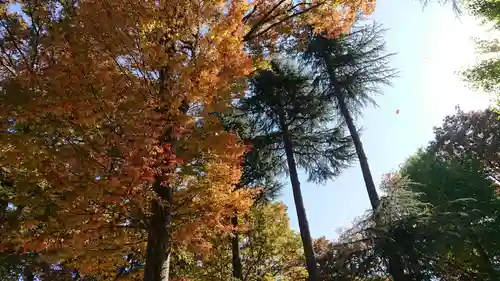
[(286, 110), (350, 71), (363, 251)]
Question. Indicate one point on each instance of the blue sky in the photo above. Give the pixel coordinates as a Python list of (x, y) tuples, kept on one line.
[(432, 44)]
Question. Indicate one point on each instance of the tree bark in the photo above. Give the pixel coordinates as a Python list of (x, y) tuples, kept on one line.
[(363, 160), (28, 274), (159, 235), (395, 264), (305, 233), (235, 246), (396, 268)]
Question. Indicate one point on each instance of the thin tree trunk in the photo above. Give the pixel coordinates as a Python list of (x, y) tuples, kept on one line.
[(159, 235), (363, 160), (488, 267), (235, 246), (305, 233), (395, 264)]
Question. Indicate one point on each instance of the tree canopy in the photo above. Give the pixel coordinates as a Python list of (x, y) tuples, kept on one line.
[(270, 249), (148, 140), (106, 124)]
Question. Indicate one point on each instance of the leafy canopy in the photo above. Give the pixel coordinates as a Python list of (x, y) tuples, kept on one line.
[(270, 249), (282, 98), (100, 99)]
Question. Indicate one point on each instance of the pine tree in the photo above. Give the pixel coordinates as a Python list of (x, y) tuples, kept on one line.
[(350, 70), (286, 110), (364, 251)]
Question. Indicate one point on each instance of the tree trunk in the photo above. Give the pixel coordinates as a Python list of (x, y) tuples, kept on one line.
[(363, 160), (395, 264), (235, 246), (487, 268), (396, 268), (159, 235), (305, 234), (28, 274)]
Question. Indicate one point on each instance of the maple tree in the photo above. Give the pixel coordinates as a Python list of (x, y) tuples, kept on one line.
[(90, 128), (106, 129), (259, 171)]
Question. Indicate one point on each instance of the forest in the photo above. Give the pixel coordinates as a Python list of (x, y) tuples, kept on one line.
[(150, 140)]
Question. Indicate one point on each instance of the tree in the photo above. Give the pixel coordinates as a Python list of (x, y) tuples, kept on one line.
[(427, 238), (259, 170), (30, 266), (439, 212), (485, 75), (452, 230), (287, 112), (461, 187), (270, 250), (488, 10), (466, 135), (439, 216), (464, 153), (364, 252), (350, 70), (90, 130)]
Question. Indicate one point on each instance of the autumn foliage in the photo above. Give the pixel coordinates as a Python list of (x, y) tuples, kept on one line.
[(101, 99), (266, 237)]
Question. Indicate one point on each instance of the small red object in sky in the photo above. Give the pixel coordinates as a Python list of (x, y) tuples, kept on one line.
[(397, 111)]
